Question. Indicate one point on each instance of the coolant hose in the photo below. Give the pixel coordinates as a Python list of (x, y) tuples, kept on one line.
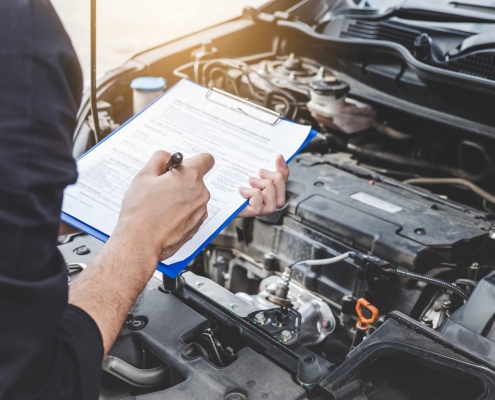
[(428, 279)]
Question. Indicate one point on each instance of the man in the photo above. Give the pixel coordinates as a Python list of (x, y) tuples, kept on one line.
[(52, 341)]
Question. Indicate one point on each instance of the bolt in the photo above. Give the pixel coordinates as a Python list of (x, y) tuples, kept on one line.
[(286, 335), (325, 323), (136, 324), (427, 321), (199, 284), (233, 306), (260, 317), (82, 250), (474, 268), (446, 304)]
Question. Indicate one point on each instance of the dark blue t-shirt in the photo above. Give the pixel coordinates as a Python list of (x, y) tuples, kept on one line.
[(48, 349)]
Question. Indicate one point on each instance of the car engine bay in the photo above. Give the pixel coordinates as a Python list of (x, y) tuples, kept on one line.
[(376, 279)]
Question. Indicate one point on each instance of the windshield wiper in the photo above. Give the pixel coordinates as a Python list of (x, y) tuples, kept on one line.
[(418, 10)]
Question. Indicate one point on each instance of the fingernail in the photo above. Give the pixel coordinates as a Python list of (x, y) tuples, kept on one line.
[(243, 190)]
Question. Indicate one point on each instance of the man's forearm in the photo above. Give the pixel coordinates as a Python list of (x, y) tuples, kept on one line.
[(108, 287), (160, 212)]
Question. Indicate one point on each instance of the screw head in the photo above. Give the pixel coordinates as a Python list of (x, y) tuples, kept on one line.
[(286, 335), (136, 324), (199, 284), (233, 306), (260, 317)]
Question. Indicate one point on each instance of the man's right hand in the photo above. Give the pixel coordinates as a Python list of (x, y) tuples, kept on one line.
[(162, 211)]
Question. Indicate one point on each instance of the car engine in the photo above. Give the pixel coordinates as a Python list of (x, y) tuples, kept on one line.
[(375, 280)]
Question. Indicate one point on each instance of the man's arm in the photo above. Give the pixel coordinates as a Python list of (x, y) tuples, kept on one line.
[(160, 212)]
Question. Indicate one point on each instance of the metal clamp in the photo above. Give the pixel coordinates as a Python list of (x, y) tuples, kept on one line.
[(277, 116)]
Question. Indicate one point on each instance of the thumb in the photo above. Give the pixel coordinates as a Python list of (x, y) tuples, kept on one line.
[(204, 162), (282, 167)]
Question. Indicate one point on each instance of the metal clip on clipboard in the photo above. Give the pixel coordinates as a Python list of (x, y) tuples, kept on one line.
[(257, 112)]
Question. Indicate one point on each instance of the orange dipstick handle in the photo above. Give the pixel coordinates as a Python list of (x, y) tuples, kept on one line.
[(363, 322)]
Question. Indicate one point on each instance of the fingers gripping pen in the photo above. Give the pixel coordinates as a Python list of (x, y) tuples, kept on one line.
[(175, 161)]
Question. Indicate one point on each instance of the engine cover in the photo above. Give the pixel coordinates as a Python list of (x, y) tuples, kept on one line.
[(406, 226)]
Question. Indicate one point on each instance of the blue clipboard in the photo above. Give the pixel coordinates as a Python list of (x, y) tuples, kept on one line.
[(171, 270)]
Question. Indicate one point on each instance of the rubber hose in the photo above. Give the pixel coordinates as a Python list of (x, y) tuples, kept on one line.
[(466, 282), (434, 281)]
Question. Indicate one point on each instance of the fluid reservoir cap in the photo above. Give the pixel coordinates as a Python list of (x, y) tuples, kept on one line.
[(148, 83), (330, 87)]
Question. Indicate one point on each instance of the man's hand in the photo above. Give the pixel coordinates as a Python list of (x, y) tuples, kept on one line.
[(268, 193), (160, 212), (166, 209)]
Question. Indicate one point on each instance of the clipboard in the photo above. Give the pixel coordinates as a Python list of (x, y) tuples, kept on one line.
[(247, 108), (257, 112)]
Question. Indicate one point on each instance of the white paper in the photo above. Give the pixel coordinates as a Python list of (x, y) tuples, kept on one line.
[(183, 121)]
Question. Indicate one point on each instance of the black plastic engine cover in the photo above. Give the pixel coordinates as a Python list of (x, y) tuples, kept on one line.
[(406, 226), (170, 325), (404, 359)]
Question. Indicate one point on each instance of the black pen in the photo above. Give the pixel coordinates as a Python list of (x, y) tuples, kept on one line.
[(175, 161)]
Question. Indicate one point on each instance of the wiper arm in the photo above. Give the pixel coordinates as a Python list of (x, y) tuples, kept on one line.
[(418, 10)]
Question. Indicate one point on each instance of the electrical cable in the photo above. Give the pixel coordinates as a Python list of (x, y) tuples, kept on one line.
[(228, 79), (424, 165), (328, 261), (325, 261), (488, 209), (453, 181), (428, 279), (390, 132), (277, 89), (284, 101), (245, 69), (177, 71)]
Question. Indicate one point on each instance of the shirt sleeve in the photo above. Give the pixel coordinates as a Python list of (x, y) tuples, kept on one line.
[(48, 349)]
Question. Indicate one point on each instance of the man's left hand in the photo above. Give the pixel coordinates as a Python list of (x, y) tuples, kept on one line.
[(267, 193)]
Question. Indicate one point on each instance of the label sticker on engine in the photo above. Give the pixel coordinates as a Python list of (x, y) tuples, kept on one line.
[(376, 202)]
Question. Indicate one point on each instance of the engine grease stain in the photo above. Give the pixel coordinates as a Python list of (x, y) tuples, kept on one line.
[(251, 384)]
